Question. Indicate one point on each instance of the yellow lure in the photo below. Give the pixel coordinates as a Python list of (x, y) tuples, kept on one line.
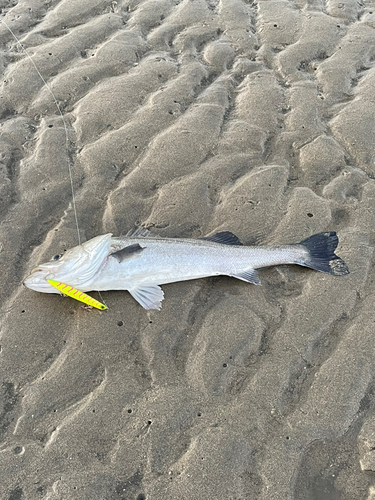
[(76, 294)]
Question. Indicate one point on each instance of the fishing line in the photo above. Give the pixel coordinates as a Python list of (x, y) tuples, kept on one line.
[(101, 298), (62, 118), (65, 129)]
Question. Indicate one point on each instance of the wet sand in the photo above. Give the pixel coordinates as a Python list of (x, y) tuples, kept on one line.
[(189, 117)]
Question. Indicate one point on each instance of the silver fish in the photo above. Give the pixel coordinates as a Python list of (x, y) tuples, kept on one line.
[(141, 261)]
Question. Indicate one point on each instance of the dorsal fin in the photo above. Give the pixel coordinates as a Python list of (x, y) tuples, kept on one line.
[(224, 237), (140, 232)]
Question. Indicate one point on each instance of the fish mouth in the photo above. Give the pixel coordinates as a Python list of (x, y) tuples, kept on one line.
[(37, 281), (35, 270)]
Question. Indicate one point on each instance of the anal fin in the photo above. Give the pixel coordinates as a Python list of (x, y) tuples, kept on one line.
[(149, 296), (250, 275)]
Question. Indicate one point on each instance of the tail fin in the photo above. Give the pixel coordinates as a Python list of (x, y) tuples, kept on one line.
[(322, 257)]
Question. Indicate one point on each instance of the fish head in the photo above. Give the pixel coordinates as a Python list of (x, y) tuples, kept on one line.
[(77, 267)]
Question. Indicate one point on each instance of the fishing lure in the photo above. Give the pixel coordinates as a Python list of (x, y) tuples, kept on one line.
[(76, 294)]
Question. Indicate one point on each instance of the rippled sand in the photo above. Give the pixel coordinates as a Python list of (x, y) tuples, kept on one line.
[(189, 117)]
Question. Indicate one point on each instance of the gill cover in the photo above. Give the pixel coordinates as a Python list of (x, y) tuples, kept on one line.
[(79, 265)]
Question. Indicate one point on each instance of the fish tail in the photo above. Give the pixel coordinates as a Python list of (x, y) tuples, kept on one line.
[(322, 257)]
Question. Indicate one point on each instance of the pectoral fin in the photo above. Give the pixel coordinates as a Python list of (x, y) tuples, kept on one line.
[(251, 276), (149, 296), (127, 252)]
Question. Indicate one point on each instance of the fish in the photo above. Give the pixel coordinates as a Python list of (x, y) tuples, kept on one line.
[(141, 261)]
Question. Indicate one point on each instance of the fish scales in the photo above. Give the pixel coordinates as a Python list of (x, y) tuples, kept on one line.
[(165, 261)]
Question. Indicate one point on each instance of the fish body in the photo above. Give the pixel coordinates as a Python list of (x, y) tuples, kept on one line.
[(162, 261), (139, 262)]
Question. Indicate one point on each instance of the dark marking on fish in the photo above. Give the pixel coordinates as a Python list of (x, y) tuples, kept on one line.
[(224, 237), (322, 257), (127, 252)]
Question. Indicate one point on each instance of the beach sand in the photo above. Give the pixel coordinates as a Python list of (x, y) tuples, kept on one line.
[(189, 117)]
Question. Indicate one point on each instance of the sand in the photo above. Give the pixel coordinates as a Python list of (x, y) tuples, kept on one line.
[(189, 117)]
